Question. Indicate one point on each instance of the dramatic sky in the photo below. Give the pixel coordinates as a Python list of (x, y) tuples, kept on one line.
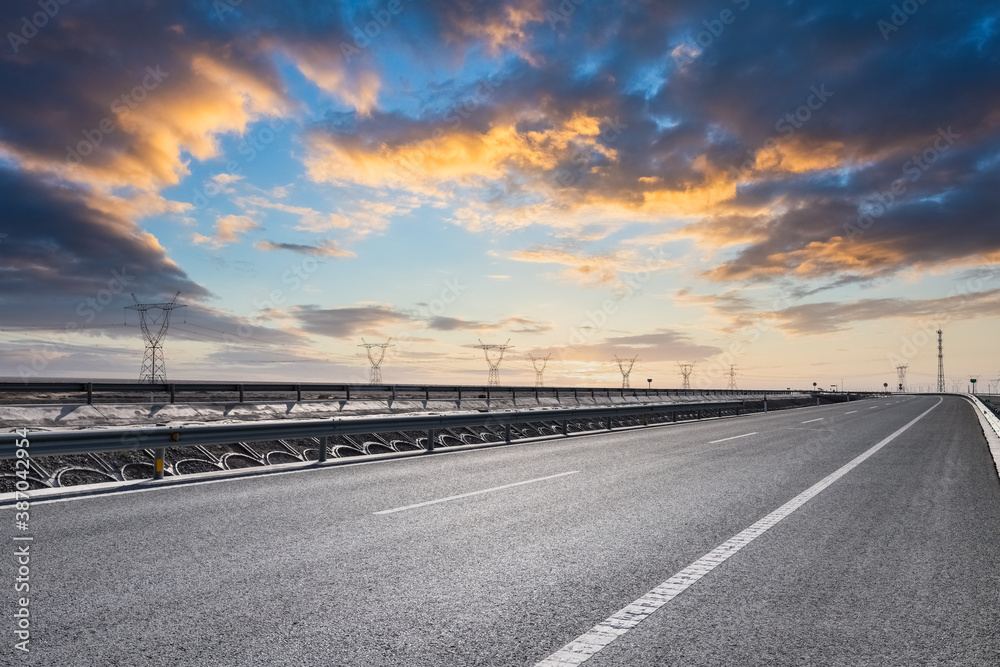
[(805, 190)]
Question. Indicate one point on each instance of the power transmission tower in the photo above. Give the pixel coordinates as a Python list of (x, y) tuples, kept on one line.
[(686, 370), (494, 363), (732, 377), (153, 370), (622, 363), (539, 371), (376, 359), (901, 374), (940, 384)]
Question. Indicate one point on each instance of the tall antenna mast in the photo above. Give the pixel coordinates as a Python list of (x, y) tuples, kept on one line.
[(153, 369), (625, 366), (940, 384), (732, 377), (539, 371), (901, 373), (494, 362), (376, 359), (686, 370)]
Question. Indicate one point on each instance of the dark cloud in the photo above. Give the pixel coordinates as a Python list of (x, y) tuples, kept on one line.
[(348, 322), (659, 345)]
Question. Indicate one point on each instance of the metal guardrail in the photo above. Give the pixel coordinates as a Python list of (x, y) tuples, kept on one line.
[(50, 443), (427, 392)]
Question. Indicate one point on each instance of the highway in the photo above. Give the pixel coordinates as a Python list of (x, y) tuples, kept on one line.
[(504, 556)]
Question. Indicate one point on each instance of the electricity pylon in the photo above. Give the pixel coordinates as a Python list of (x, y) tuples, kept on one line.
[(622, 363), (901, 374), (539, 371), (686, 370), (153, 369), (376, 359), (732, 377), (493, 379), (940, 384)]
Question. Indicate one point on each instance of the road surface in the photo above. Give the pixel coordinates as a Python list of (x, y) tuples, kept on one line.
[(506, 556)]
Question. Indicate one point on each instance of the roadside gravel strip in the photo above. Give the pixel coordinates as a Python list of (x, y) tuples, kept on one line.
[(991, 427)]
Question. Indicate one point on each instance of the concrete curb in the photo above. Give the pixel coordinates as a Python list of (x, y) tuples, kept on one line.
[(991, 427)]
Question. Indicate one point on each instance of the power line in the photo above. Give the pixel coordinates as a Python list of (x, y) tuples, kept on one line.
[(686, 370), (153, 369), (622, 363), (493, 379), (539, 371), (375, 358)]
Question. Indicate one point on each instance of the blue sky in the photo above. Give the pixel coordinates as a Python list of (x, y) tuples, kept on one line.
[(798, 191)]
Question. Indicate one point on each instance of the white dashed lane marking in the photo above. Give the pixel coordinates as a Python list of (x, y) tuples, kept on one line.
[(712, 442), (476, 493)]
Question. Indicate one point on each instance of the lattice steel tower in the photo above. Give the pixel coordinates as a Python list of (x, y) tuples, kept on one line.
[(940, 386), (686, 370), (732, 377), (901, 373), (375, 377), (539, 371), (494, 362), (622, 363), (153, 369)]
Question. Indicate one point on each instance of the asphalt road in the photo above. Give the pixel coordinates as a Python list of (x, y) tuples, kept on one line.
[(897, 562)]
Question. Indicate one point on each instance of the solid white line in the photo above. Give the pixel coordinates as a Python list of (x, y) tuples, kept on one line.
[(475, 493), (851, 412), (814, 420), (588, 644), (733, 438)]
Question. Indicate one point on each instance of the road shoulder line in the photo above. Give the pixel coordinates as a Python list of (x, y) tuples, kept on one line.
[(601, 635)]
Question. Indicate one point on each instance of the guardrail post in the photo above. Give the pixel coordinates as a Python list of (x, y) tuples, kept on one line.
[(240, 387), (765, 402), (160, 453), (172, 393), (699, 413), (487, 394), (506, 433), (324, 448), (347, 392), (427, 393), (460, 395), (298, 393), (90, 393), (565, 426), (394, 393), (430, 440), (536, 394), (609, 422)]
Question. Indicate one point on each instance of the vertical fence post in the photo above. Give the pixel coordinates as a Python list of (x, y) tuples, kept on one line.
[(240, 388), (609, 422), (506, 433), (430, 440), (160, 453), (324, 448), (173, 398), (565, 426), (298, 393)]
